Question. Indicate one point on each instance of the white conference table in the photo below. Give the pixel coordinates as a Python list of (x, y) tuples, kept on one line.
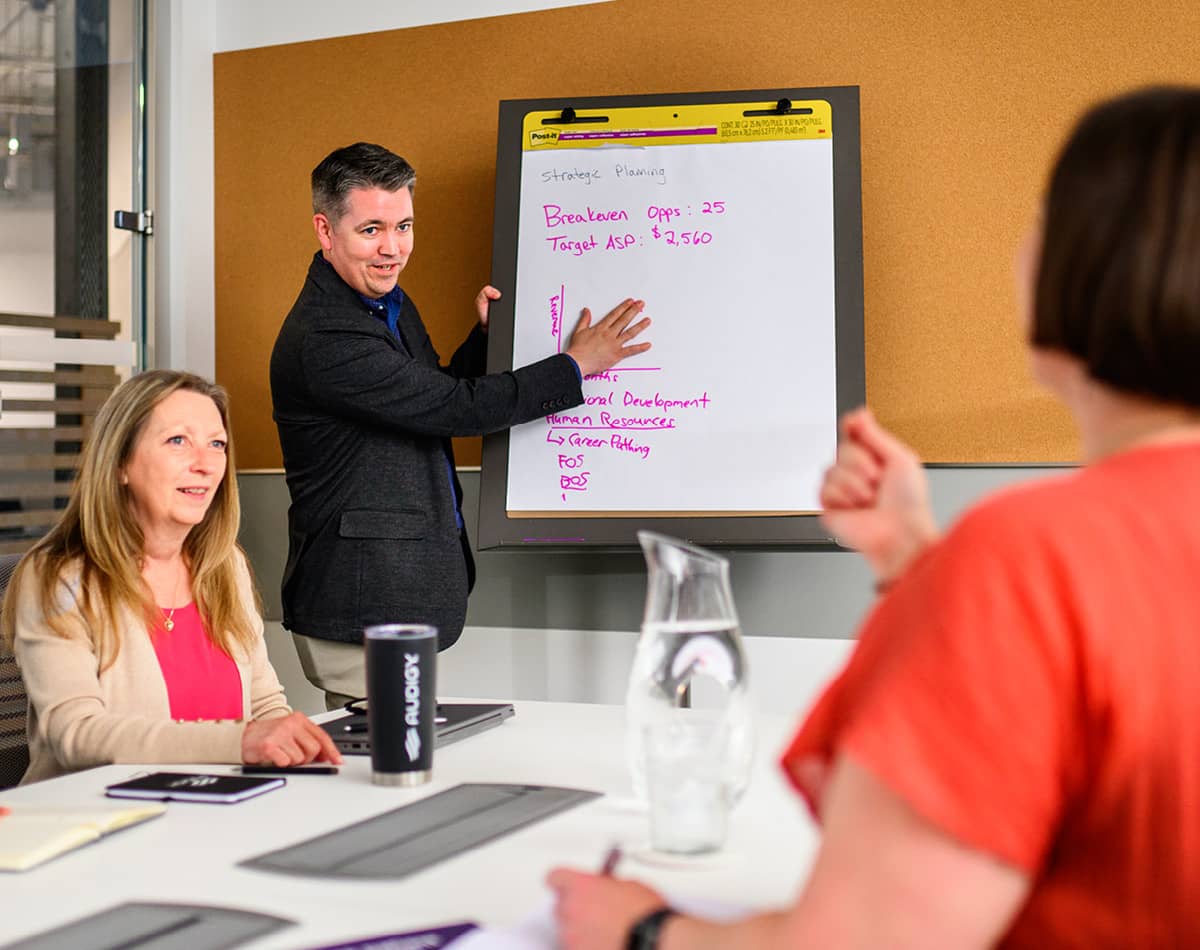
[(190, 854)]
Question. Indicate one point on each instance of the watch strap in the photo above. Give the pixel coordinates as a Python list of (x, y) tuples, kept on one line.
[(643, 935)]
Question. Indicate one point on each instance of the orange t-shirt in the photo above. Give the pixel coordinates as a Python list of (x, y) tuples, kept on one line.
[(1031, 686)]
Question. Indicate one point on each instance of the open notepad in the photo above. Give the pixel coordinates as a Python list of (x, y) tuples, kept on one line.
[(31, 834)]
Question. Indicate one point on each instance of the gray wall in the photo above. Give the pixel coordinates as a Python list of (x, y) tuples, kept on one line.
[(818, 594)]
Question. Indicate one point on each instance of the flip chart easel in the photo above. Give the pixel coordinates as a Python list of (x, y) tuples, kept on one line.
[(737, 217)]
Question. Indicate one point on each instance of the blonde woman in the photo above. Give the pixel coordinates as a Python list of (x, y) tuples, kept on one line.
[(135, 620)]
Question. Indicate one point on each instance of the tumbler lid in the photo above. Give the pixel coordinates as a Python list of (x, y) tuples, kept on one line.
[(400, 631)]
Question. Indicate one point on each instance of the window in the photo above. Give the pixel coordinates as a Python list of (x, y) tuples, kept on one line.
[(72, 286)]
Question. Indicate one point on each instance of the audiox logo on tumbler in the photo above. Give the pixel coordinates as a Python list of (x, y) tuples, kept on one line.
[(412, 704)]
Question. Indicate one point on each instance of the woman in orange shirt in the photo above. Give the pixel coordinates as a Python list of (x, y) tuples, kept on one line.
[(1012, 755)]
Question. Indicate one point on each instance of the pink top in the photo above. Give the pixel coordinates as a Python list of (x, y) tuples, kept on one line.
[(202, 682)]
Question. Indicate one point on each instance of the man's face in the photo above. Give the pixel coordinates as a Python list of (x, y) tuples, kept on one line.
[(370, 243)]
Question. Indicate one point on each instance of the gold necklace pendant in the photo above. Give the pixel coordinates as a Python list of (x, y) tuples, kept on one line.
[(169, 620)]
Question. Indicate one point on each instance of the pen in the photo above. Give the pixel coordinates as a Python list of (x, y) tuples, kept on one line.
[(611, 860)]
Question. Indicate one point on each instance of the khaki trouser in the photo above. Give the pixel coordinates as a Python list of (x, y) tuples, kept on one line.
[(337, 668)]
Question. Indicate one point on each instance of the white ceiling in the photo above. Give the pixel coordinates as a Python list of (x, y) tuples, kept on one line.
[(247, 24)]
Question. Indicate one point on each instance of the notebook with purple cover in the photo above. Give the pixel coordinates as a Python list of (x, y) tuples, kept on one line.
[(194, 787)]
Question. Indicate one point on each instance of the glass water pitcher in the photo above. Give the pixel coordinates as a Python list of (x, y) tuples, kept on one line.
[(689, 660)]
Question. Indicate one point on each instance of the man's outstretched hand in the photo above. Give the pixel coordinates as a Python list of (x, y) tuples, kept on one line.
[(596, 347)]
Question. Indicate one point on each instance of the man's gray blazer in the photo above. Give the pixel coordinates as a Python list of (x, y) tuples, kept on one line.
[(365, 429)]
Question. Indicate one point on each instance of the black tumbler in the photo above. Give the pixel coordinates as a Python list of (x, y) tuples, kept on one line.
[(401, 701)]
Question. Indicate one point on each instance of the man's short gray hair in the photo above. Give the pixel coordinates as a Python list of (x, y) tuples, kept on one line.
[(361, 165)]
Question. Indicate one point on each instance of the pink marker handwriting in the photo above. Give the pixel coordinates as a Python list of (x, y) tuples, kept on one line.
[(659, 401), (556, 304), (625, 443), (609, 421), (574, 482), (622, 443), (556, 217), (672, 238), (561, 243), (560, 419)]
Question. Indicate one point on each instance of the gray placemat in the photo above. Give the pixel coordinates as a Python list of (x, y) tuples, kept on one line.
[(154, 926), (407, 839)]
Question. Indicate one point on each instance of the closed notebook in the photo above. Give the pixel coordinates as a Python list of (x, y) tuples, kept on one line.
[(194, 787), (31, 834)]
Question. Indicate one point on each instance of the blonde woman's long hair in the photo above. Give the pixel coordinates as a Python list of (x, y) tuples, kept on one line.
[(97, 546)]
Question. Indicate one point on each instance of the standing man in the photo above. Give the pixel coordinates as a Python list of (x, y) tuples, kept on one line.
[(365, 416)]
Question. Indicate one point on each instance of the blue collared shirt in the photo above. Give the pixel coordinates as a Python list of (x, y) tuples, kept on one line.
[(387, 308)]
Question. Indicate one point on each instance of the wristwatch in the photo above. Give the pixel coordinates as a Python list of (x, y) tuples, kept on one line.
[(643, 935)]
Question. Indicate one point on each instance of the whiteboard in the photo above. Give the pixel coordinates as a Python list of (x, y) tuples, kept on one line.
[(726, 225)]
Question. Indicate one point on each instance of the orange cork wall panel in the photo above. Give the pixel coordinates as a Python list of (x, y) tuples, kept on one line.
[(963, 106)]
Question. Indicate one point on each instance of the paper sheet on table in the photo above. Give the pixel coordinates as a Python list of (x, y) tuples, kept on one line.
[(31, 833), (539, 932)]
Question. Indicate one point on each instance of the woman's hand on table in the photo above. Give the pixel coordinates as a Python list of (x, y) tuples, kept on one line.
[(287, 740)]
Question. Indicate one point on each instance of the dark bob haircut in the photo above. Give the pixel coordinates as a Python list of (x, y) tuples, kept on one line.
[(361, 165), (1119, 279)]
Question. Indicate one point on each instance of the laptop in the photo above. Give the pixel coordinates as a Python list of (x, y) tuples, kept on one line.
[(455, 721)]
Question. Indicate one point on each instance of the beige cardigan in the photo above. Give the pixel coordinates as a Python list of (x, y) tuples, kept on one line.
[(80, 717)]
